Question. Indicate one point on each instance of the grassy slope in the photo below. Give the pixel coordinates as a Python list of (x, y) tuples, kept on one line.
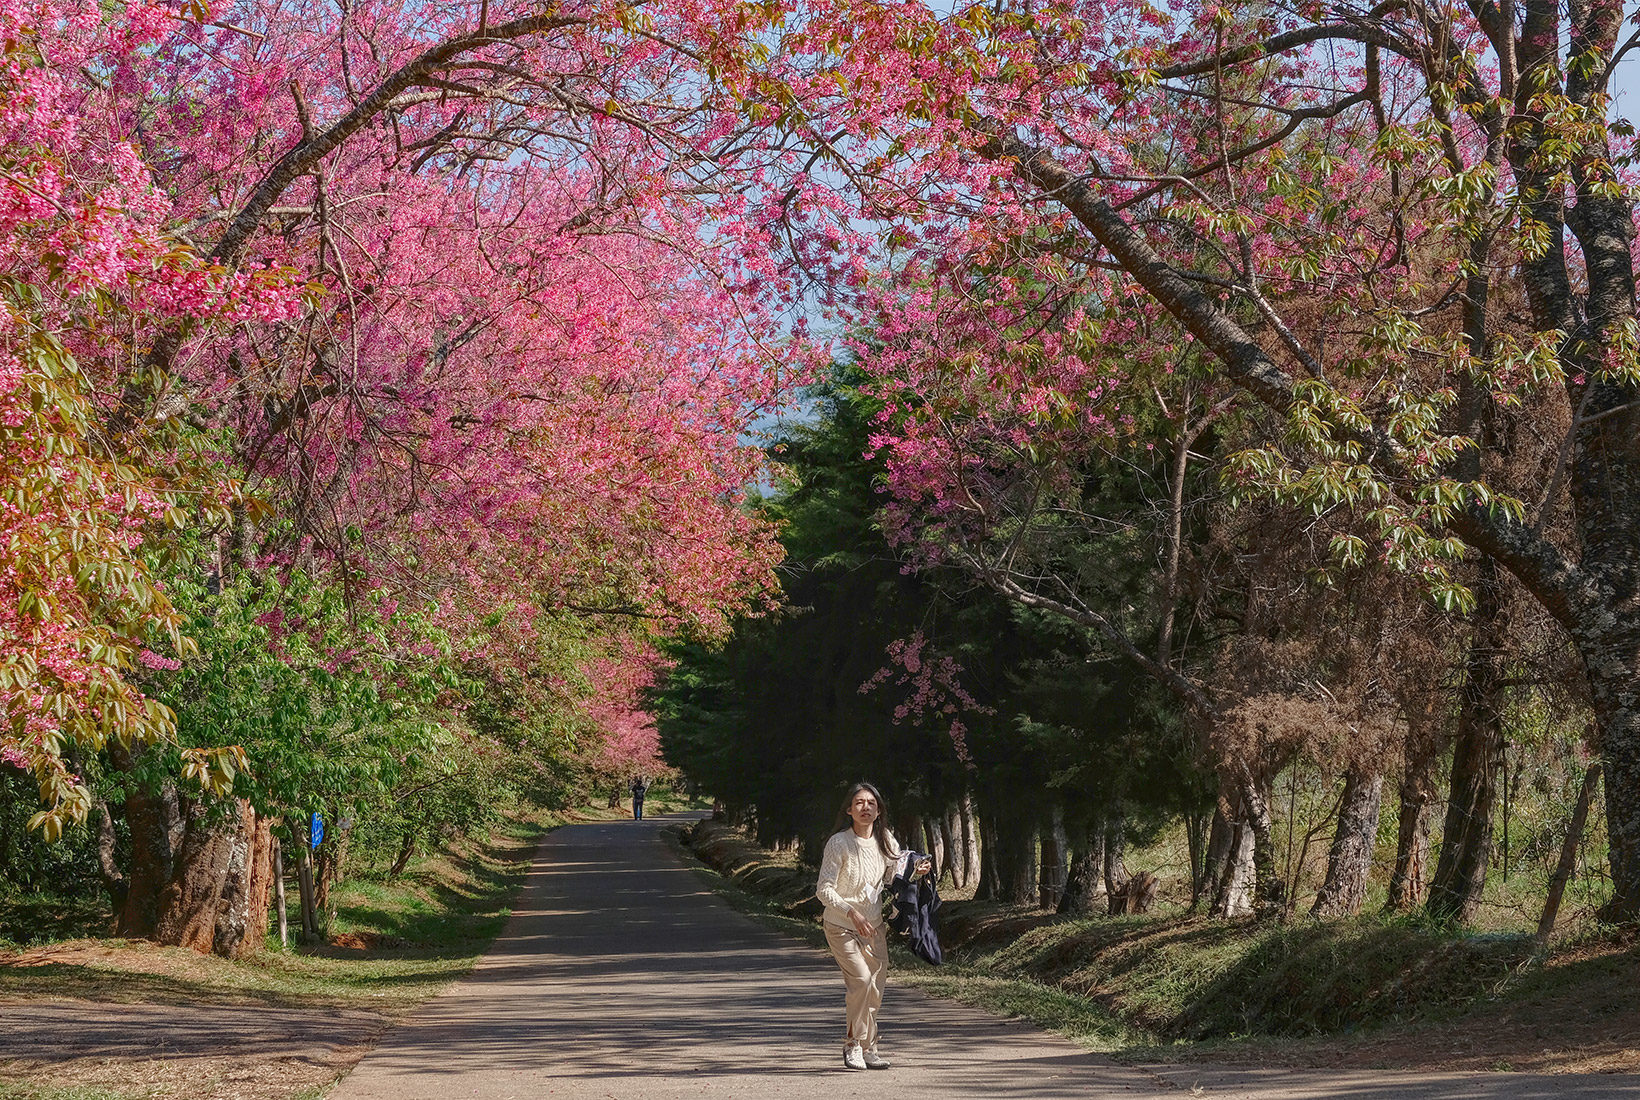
[(1184, 986)]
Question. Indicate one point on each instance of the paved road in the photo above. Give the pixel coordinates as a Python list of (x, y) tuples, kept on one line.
[(621, 976)]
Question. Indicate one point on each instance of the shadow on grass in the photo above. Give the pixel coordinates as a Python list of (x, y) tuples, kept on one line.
[(89, 983), (439, 916), (29, 919)]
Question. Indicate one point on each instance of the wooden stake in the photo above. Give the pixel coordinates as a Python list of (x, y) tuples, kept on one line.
[(304, 871), (279, 891)]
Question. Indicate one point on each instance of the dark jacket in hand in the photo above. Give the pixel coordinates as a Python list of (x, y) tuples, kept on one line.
[(916, 900)]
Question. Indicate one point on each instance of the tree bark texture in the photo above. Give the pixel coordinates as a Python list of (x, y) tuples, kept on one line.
[(191, 901), (278, 867), (1016, 861), (154, 819), (304, 889), (1051, 880), (1115, 869), (1617, 707), (1234, 894), (239, 923), (1196, 827), (934, 843), (407, 848), (242, 920), (1085, 882), (1221, 840), (1477, 756), (1425, 747), (990, 881), (1251, 811), (1350, 859), (1235, 881)]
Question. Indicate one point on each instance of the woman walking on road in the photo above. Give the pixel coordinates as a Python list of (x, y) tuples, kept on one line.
[(860, 860)]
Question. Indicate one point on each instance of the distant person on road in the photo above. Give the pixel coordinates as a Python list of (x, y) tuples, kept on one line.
[(640, 787), (860, 860)]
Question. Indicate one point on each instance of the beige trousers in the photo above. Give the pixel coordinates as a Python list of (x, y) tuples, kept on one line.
[(864, 963)]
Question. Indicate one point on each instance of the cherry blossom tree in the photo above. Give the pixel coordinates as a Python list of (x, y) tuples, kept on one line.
[(458, 292), (1383, 225), (89, 269)]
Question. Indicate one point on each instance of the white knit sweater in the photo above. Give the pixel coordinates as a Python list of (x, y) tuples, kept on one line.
[(853, 873)]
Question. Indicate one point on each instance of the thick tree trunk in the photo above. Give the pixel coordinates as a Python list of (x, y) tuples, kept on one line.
[(1234, 874), (190, 903), (1615, 692), (1269, 890), (1221, 842), (1051, 879), (1115, 869), (1477, 755), (153, 817), (1425, 747), (1251, 806), (1350, 859), (242, 914), (1085, 884), (1234, 893), (1016, 861)]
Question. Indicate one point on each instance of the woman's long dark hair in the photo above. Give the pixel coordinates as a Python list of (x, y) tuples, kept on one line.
[(879, 828)]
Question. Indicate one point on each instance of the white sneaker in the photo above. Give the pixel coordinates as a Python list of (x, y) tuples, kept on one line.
[(852, 1058), (875, 1060)]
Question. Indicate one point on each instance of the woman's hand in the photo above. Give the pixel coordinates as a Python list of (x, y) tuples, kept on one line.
[(923, 867), (861, 925)]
